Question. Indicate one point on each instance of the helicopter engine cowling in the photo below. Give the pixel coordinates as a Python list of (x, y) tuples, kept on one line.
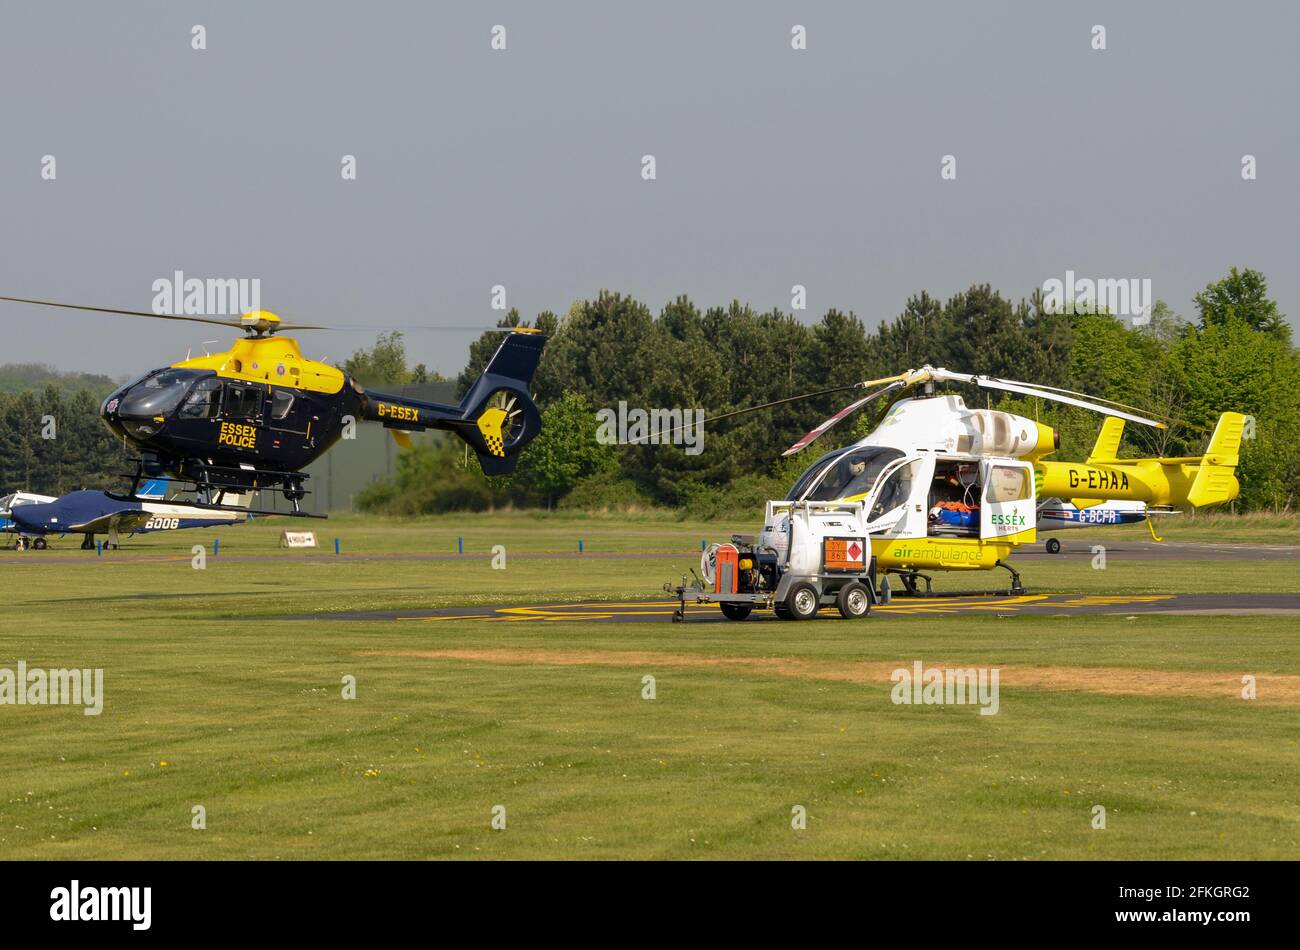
[(992, 432)]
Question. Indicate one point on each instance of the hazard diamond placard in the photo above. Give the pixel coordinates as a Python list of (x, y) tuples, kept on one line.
[(845, 554)]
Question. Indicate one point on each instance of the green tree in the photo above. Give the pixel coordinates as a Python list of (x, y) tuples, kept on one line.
[(384, 364), (566, 451), (20, 438), (1233, 366), (1242, 295)]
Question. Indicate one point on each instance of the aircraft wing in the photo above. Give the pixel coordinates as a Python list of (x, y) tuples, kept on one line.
[(119, 521), (1055, 514), (151, 516)]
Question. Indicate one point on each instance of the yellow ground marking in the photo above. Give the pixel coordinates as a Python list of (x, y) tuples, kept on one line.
[(596, 610)]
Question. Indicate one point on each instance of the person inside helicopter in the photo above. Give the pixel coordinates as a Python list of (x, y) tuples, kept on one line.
[(954, 499), (850, 477)]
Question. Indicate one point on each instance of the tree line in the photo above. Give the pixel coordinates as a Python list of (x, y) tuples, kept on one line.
[(1235, 354), (52, 442)]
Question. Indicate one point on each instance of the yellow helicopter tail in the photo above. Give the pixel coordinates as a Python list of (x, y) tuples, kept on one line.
[(1105, 449), (1215, 481), (1195, 481)]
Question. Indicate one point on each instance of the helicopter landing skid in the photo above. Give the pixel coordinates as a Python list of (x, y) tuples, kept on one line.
[(909, 579), (215, 482)]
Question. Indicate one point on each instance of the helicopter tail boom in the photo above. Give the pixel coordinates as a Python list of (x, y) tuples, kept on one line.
[(497, 417), (1195, 481)]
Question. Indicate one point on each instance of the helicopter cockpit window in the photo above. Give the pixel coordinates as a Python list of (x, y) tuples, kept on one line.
[(896, 490), (810, 473), (159, 394), (203, 401), (281, 403), (853, 473)]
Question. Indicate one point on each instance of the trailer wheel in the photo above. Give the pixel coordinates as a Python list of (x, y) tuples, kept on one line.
[(853, 601), (802, 602), (1053, 545), (735, 611)]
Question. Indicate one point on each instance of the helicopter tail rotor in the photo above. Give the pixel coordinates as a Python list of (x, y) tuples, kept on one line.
[(497, 417), (503, 415)]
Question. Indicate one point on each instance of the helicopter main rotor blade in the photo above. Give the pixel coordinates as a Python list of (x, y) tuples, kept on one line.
[(234, 324), (811, 437), (1027, 389), (417, 328), (1100, 399)]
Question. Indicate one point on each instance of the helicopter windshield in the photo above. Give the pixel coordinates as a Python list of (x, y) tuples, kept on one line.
[(158, 394), (847, 474), (810, 474)]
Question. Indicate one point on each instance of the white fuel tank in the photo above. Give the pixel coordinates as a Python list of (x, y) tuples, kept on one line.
[(795, 530)]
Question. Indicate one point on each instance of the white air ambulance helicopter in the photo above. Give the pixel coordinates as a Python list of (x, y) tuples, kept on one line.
[(938, 486)]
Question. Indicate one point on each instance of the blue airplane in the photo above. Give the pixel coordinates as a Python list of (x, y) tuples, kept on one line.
[(34, 517), (1054, 514)]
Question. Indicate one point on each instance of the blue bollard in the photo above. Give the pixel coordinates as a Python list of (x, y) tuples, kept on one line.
[(460, 545), (336, 545), (703, 544), (99, 548), (216, 546), (580, 545)]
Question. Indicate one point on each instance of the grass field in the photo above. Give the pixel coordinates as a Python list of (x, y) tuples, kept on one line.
[(211, 701)]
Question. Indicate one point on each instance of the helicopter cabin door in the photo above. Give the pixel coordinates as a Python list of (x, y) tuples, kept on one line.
[(243, 412), (1007, 508)]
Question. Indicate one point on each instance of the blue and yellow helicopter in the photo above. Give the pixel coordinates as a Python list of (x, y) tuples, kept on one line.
[(253, 417)]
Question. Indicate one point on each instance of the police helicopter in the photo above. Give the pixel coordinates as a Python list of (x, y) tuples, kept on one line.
[(253, 417), (938, 486)]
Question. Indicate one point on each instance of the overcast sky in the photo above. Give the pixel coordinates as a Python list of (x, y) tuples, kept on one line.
[(523, 167)]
